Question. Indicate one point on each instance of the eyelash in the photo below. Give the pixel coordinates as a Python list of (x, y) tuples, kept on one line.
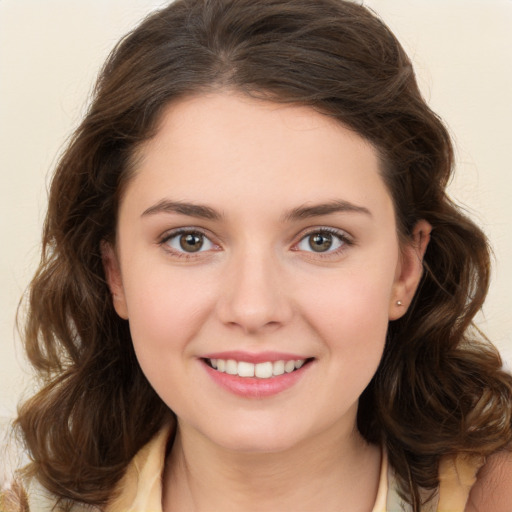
[(345, 240), (164, 241)]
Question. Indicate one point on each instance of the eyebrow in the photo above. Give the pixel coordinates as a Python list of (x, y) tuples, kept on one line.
[(316, 210), (190, 209), (301, 212)]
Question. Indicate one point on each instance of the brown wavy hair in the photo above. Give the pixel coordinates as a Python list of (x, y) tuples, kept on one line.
[(439, 389)]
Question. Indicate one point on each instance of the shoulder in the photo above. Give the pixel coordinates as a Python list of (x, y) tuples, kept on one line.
[(492, 491)]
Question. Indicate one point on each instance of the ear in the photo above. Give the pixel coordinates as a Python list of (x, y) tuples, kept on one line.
[(114, 279), (409, 270)]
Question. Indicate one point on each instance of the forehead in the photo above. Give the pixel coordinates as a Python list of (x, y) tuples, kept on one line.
[(227, 149)]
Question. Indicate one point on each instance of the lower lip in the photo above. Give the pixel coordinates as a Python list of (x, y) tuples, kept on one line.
[(251, 387)]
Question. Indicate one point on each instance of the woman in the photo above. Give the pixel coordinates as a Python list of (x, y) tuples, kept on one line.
[(255, 293)]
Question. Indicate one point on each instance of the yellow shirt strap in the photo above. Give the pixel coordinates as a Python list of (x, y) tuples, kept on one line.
[(140, 490)]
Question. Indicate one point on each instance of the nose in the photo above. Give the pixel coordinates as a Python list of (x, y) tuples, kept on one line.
[(254, 297)]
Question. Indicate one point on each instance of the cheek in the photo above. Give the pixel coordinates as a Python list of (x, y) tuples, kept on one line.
[(352, 299), (348, 319), (166, 310), (354, 327), (350, 314), (165, 315)]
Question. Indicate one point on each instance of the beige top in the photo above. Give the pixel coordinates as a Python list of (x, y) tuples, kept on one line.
[(140, 490)]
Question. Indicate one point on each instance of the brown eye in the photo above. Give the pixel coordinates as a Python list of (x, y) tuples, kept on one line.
[(320, 242), (323, 241), (188, 242), (191, 242)]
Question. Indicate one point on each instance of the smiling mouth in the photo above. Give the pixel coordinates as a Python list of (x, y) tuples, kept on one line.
[(264, 370)]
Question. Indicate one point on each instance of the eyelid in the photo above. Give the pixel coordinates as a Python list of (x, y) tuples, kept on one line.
[(172, 233), (346, 239)]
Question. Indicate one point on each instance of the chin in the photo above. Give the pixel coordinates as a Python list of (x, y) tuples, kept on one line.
[(259, 444), (257, 438)]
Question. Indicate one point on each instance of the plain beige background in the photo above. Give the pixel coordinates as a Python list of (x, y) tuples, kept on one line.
[(51, 50)]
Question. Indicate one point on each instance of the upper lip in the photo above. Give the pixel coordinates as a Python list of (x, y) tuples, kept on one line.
[(251, 357)]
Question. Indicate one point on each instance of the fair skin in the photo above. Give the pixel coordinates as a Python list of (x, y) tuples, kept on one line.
[(289, 253), (492, 491)]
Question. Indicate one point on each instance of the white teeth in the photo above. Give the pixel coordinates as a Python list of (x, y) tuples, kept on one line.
[(278, 368), (245, 369), (231, 367), (263, 370), (260, 370), (289, 366)]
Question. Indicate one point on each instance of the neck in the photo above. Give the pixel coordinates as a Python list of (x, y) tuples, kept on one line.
[(321, 474)]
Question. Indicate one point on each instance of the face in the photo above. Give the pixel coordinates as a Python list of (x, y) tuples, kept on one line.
[(258, 264)]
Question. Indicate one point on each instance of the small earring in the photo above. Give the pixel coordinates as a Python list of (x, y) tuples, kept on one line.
[(399, 303)]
